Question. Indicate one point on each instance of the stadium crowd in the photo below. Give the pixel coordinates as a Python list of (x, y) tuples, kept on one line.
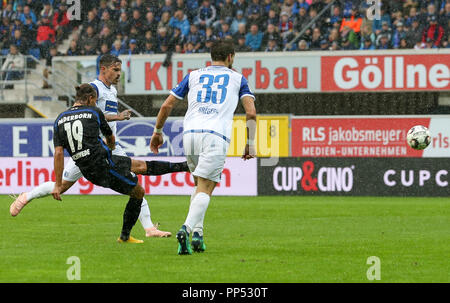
[(190, 26)]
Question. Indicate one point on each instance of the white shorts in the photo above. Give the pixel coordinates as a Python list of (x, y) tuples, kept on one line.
[(205, 154), (72, 173)]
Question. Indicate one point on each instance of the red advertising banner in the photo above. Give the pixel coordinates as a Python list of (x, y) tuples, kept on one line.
[(385, 73), (353, 137)]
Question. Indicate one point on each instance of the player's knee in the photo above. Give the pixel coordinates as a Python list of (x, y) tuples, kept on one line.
[(138, 192)]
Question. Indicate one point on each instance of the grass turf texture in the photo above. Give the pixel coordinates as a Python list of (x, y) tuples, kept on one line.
[(248, 239)]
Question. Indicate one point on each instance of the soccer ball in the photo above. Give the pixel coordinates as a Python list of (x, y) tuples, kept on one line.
[(418, 137)]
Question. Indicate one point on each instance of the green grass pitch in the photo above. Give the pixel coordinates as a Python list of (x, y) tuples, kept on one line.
[(249, 239)]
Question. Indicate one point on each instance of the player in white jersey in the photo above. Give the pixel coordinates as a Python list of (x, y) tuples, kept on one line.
[(213, 95), (110, 71)]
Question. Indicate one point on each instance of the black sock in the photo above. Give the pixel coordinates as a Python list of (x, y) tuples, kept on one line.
[(156, 168), (130, 216)]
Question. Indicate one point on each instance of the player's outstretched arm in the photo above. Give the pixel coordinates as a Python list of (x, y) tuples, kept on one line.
[(58, 162), (164, 112), (125, 115), (250, 112)]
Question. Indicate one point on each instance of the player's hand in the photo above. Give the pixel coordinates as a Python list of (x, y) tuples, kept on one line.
[(56, 193), (125, 115), (156, 142), (249, 152)]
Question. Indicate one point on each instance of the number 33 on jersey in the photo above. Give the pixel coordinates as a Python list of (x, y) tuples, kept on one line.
[(213, 94)]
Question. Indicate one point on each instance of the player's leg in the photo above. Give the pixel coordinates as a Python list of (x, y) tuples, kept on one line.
[(131, 214), (70, 175), (145, 216), (156, 168)]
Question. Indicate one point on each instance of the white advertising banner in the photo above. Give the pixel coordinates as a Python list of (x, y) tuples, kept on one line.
[(266, 73), (18, 175)]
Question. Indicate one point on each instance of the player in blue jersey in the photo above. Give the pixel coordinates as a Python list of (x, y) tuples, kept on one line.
[(213, 94), (110, 72)]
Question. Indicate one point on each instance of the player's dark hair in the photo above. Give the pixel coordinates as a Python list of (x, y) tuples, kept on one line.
[(220, 50), (84, 91), (107, 60)]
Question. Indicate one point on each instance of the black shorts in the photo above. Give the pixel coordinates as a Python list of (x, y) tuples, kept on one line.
[(115, 174)]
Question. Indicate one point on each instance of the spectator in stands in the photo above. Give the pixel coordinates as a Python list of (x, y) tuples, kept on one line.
[(149, 47), (162, 38), (241, 45), (45, 36), (287, 7), (92, 20), (224, 30), (404, 44), (179, 20), (253, 39), (192, 9), (133, 48), (190, 48), (53, 52), (168, 7), (385, 31), (27, 12), (399, 34), (301, 20), (415, 32), (136, 20), (299, 4), (255, 7), (336, 16), (354, 21), (209, 34), (196, 37), (29, 32), (384, 42), (17, 12), (91, 38), (242, 31), (206, 14), (367, 43), (346, 44), (271, 34), (117, 49), (377, 25), (73, 50), (19, 41), (150, 23), (12, 68), (272, 18), (351, 36), (107, 36), (324, 46), (107, 21), (102, 8), (286, 26), (303, 45), (333, 36), (88, 50), (272, 45), (164, 22), (227, 11), (47, 11), (177, 38), (8, 12), (239, 19), (255, 16), (315, 39), (241, 5), (433, 32), (123, 25), (61, 22)]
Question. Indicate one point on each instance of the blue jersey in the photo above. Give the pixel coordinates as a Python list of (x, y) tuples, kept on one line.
[(213, 94)]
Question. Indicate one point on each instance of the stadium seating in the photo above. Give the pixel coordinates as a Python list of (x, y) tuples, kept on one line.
[(405, 24)]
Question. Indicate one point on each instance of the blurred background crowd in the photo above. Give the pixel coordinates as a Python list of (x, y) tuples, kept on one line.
[(189, 26)]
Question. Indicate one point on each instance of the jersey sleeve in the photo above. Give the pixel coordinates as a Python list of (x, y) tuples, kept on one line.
[(245, 89), (104, 126), (181, 90), (56, 137)]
